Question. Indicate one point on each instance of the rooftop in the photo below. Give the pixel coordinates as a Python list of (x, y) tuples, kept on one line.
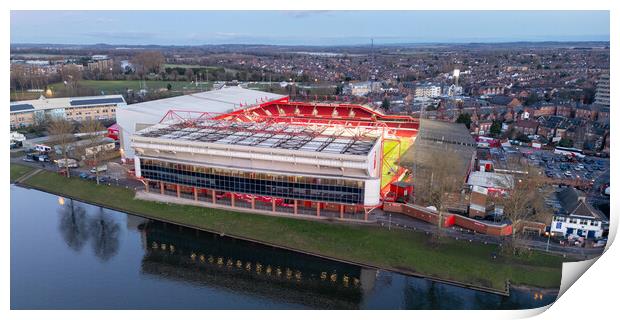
[(325, 139), (491, 180), (216, 101), (53, 103), (574, 204)]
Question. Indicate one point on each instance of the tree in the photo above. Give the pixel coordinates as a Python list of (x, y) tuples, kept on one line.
[(566, 143), (61, 132), (71, 74), (531, 99), (385, 104), (496, 128), (148, 61), (339, 89), (92, 132), (464, 118), (525, 201), (189, 74), (435, 179)]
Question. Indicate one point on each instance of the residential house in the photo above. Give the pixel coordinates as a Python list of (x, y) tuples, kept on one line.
[(577, 217), (527, 127)]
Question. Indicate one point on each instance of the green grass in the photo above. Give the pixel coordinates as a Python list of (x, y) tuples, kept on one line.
[(18, 170), (391, 152), (184, 66), (397, 250), (122, 85)]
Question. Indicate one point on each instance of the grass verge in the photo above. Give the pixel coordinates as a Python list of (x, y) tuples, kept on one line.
[(399, 250), (18, 170)]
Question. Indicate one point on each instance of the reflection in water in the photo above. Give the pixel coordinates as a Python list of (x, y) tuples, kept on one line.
[(77, 228), (73, 224), (104, 231), (203, 258)]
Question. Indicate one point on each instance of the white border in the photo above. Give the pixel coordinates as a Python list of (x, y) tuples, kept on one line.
[(593, 295)]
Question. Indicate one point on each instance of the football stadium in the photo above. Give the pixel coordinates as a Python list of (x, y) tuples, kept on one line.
[(275, 156)]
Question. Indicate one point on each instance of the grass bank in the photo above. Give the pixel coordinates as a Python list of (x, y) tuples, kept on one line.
[(396, 250), (18, 170)]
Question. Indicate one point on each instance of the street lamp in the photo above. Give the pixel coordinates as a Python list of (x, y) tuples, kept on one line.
[(548, 234)]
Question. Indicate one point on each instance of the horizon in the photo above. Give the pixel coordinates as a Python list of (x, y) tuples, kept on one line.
[(421, 44), (305, 28)]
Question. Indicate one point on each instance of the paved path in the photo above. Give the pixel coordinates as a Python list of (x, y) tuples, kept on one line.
[(27, 175)]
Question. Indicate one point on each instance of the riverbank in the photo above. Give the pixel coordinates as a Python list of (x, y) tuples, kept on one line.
[(468, 264)]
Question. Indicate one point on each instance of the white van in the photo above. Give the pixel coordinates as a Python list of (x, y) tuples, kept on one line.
[(42, 148)]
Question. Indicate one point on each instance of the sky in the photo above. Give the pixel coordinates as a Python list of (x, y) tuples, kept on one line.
[(304, 27)]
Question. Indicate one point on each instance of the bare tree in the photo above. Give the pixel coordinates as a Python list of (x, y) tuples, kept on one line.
[(92, 132), (19, 74), (71, 74), (435, 179), (525, 201), (61, 132), (147, 62), (40, 120), (189, 74)]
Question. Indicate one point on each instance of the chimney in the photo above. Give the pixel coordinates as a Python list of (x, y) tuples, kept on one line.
[(581, 198)]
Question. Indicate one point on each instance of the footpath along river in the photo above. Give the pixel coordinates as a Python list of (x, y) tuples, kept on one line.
[(69, 255)]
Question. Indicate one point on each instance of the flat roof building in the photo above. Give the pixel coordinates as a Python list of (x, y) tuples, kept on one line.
[(31, 112), (141, 115)]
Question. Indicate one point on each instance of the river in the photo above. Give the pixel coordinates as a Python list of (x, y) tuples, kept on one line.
[(70, 255)]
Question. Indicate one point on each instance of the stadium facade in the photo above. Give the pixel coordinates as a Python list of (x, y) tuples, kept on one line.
[(278, 156)]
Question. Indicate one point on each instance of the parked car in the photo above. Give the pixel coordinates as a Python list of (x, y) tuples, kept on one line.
[(101, 168), (63, 163), (600, 243)]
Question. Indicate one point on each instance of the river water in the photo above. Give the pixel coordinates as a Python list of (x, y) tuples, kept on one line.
[(69, 255)]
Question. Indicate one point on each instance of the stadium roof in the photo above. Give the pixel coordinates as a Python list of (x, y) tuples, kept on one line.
[(59, 103), (437, 139), (325, 139), (216, 101), (445, 132)]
